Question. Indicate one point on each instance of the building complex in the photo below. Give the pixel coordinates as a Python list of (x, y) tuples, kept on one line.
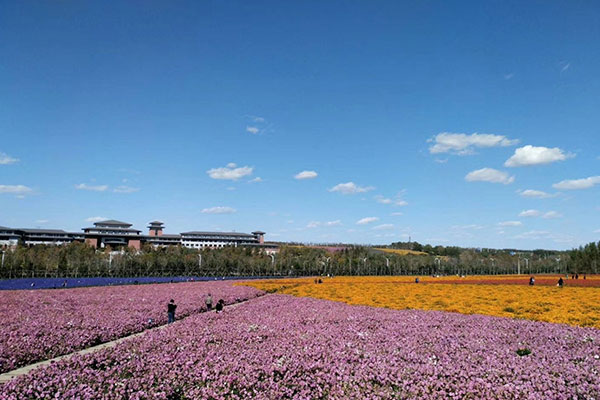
[(117, 234)]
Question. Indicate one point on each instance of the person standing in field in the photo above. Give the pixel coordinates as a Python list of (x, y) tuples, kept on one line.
[(560, 282), (219, 306), (208, 301), (171, 311), (531, 281)]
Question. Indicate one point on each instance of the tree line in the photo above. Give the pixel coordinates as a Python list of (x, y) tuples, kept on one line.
[(80, 260)]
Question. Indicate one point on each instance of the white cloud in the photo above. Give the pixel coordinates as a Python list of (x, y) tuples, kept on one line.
[(509, 76), (95, 219), (510, 223), (219, 210), (126, 189), (463, 144), (532, 155), (306, 175), (366, 220), (535, 194), (397, 200), (533, 235), (231, 172), (383, 227), (255, 118), (5, 159), (565, 66), (552, 214), (19, 190), (256, 180), (252, 129), (489, 175), (97, 188), (576, 184), (315, 224), (530, 213), (41, 221), (350, 188), (396, 214), (383, 200)]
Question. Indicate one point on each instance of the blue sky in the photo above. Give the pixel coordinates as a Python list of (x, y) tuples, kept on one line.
[(457, 123)]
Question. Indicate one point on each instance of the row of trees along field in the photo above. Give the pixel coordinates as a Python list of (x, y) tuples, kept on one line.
[(586, 258), (81, 260)]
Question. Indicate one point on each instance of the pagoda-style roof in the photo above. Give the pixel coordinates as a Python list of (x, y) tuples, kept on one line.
[(112, 222), (47, 231), (156, 223), (108, 227), (258, 233), (199, 233)]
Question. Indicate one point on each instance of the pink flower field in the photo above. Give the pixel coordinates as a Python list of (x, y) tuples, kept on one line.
[(283, 347), (42, 324)]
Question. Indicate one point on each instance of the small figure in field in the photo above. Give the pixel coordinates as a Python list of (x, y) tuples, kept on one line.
[(219, 306), (560, 282), (320, 281), (64, 284), (576, 276), (583, 276), (531, 281), (208, 301), (416, 280), (316, 280), (171, 311)]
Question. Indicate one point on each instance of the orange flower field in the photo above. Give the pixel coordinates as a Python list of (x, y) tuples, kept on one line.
[(569, 305)]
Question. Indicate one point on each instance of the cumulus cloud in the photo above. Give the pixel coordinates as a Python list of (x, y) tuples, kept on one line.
[(366, 220), (5, 159), (15, 189), (533, 235), (532, 155), (489, 175), (510, 223), (535, 194), (230, 172), (383, 227), (530, 213), (126, 189), (95, 219), (315, 224), (350, 188), (219, 210), (92, 188), (576, 184), (337, 222), (256, 180), (552, 214), (252, 129), (397, 201), (463, 144), (306, 175)]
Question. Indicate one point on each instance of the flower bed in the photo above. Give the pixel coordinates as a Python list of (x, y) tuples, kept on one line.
[(569, 305), (42, 324), (280, 347)]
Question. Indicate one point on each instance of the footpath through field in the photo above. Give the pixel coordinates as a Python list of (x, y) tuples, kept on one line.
[(5, 377)]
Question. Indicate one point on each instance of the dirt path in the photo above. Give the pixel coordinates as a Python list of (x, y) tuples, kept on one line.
[(5, 377)]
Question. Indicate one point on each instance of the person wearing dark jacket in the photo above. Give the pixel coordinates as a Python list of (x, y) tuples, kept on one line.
[(171, 311)]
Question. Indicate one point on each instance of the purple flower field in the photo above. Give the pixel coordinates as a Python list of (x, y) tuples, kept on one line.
[(280, 346), (42, 324)]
